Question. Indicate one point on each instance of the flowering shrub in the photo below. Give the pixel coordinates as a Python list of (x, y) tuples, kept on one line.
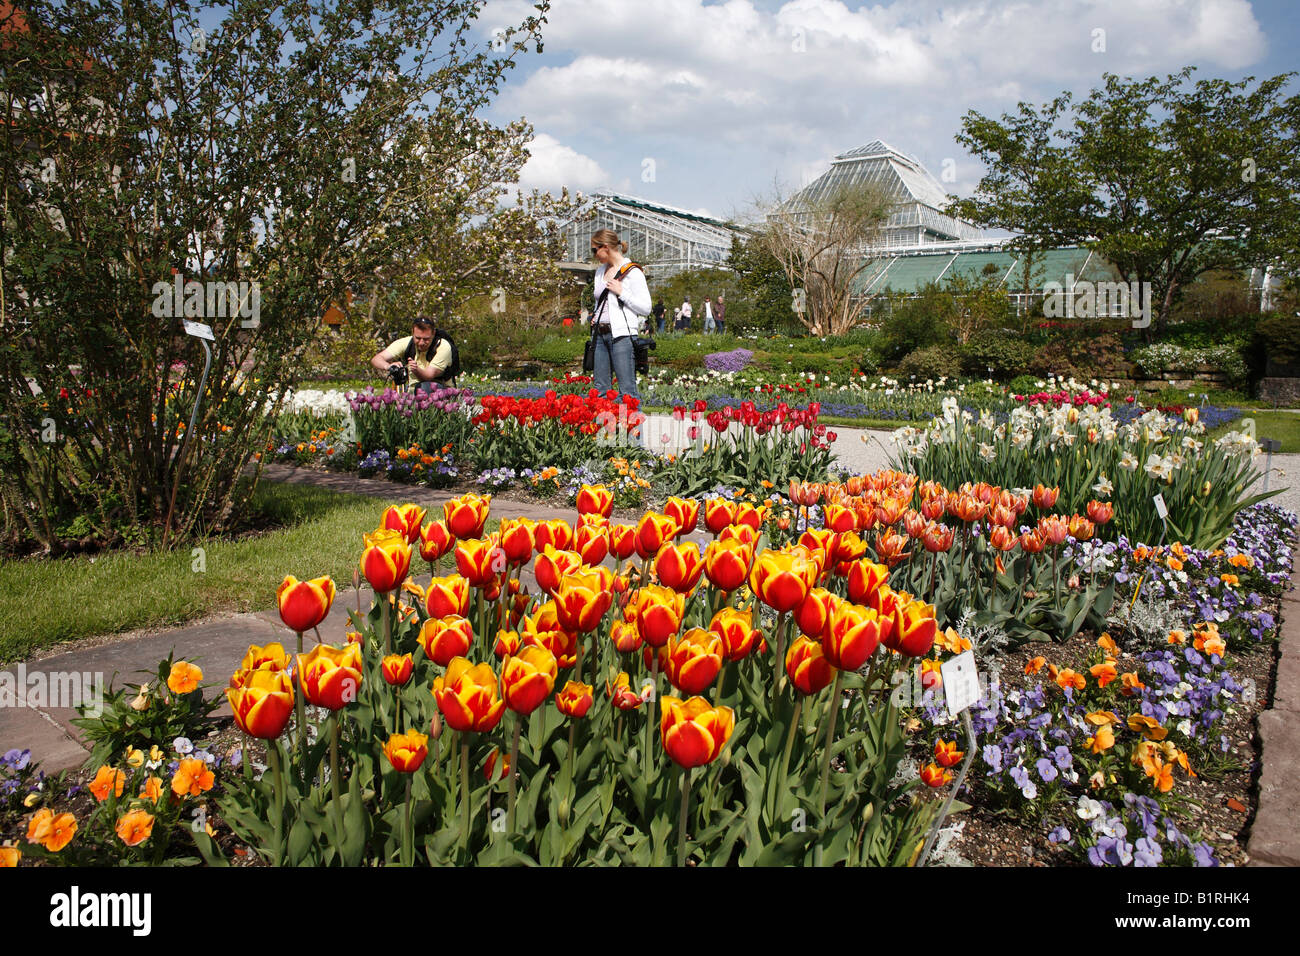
[(733, 361), (1157, 359)]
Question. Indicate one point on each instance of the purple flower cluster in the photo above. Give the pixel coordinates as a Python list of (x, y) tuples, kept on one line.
[(19, 776), (733, 361), (1137, 834), (1191, 688), (1263, 533), (412, 400)]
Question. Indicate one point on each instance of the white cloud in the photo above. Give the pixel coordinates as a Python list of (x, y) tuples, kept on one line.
[(552, 165)]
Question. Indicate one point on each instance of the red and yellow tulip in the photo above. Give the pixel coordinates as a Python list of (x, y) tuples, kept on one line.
[(806, 665), (467, 515), (445, 638), (386, 560), (679, 566), (574, 700), (262, 703), (737, 631), (693, 732), (403, 518), (595, 499), (468, 697), (330, 676), (528, 678), (397, 669), (407, 752), (304, 604), (447, 596), (693, 660)]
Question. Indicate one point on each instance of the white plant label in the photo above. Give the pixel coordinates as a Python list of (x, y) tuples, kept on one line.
[(1161, 508), (961, 683), (198, 330)]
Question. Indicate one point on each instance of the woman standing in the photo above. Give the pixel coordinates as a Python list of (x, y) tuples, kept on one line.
[(622, 301)]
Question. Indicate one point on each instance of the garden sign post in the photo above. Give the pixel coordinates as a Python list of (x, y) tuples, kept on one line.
[(204, 334), (961, 688), (1269, 445)]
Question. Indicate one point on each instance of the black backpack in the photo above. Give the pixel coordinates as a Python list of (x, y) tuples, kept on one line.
[(453, 370)]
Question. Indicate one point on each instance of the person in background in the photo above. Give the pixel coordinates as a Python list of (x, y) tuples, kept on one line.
[(423, 360), (709, 327), (719, 315), (684, 318), (622, 302), (658, 313)]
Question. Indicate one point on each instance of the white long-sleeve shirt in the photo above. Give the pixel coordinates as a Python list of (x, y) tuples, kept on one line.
[(624, 313)]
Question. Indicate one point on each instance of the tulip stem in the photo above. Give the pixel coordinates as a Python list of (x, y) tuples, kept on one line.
[(335, 786), (510, 773), (681, 819), (830, 739), (780, 655), (649, 711), (277, 770), (388, 630), (247, 759), (785, 756), (408, 835), (478, 613), (464, 791), (300, 707)]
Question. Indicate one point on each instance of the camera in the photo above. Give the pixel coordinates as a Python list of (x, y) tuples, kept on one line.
[(641, 354), (398, 374)]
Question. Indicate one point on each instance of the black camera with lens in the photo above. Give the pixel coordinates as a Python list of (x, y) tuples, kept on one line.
[(398, 374), (641, 354)]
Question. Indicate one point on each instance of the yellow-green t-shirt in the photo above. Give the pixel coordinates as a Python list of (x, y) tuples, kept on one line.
[(440, 362)]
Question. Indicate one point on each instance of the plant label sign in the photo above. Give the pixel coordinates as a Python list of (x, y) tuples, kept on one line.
[(198, 330), (1161, 508), (961, 684)]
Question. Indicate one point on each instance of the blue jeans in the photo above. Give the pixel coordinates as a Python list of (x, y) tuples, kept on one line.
[(615, 356)]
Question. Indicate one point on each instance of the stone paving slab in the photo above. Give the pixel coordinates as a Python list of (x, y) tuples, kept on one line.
[(1275, 832)]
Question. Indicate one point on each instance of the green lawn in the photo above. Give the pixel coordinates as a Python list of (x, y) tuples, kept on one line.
[(1284, 426), (43, 602)]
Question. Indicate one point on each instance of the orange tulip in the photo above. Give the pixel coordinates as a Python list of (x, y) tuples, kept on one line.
[(263, 703), (1003, 539), (966, 508), (890, 510), (403, 518), (740, 533), (914, 629), (1032, 542), (304, 604), (679, 566), (397, 669), (718, 513), (693, 732), (932, 775), (595, 499), (444, 638), (467, 696), (782, 579), (864, 578), (621, 694), (937, 537), (839, 519), (1081, 528), (1003, 516), (435, 540), (557, 533), (406, 752), (622, 541), (1053, 529), (891, 547), (107, 779), (517, 539), (184, 678), (806, 664), (192, 778), (528, 678), (1100, 512), (934, 507), (694, 660), (747, 514), (848, 548), (851, 635), (551, 565), (726, 563), (330, 676), (447, 596), (737, 631), (582, 599), (819, 541), (626, 637), (508, 643), (1045, 498), (685, 511), (659, 613), (946, 754), (814, 613), (385, 560), (467, 514), (481, 561), (574, 700), (562, 644), (652, 531), (591, 543), (271, 657)]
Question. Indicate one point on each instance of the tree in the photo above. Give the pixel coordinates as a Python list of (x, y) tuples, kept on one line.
[(765, 300), (1163, 180), (823, 248), (275, 158)]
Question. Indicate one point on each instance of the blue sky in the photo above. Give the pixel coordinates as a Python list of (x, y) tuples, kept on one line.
[(712, 106)]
